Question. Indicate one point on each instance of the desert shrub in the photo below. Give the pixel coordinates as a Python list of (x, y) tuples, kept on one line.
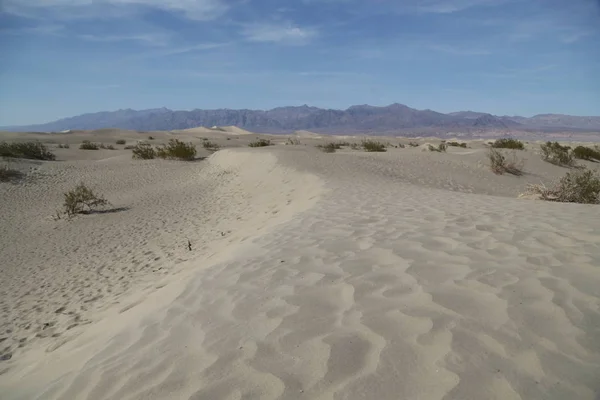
[(578, 186), (501, 165), (208, 145), (343, 144), (64, 146), (143, 151), (457, 144), (129, 147), (586, 153), (8, 174), (87, 145), (508, 144), (400, 145), (354, 146), (150, 137), (413, 144), (121, 141), (107, 146), (554, 153), (260, 143), (177, 150), (373, 146), (28, 150), (293, 141), (442, 147), (330, 147), (82, 199)]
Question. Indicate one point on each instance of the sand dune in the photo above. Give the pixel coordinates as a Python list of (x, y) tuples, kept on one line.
[(316, 276)]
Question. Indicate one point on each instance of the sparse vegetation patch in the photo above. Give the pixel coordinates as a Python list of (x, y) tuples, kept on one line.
[(555, 153), (373, 146), (87, 145), (82, 199), (27, 150), (143, 151), (586, 153), (177, 150), (63, 146), (578, 186), (211, 146), (260, 143), (121, 141), (457, 144), (513, 144), (501, 165), (442, 147)]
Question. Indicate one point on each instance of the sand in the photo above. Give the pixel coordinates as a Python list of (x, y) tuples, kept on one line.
[(397, 275)]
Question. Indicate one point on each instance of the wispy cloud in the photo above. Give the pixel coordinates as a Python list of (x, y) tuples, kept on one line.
[(74, 9), (46, 29), (279, 33), (153, 39), (531, 72), (460, 51)]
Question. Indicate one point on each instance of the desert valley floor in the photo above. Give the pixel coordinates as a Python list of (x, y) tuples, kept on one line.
[(407, 274)]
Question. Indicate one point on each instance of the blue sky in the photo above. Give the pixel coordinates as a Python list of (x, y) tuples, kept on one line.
[(66, 57)]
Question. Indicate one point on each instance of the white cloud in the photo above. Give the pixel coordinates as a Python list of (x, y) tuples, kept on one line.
[(288, 34), (72, 9)]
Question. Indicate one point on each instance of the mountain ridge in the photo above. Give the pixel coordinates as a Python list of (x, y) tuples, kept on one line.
[(357, 118)]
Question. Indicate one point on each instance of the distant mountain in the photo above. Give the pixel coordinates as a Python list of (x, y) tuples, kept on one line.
[(355, 119)]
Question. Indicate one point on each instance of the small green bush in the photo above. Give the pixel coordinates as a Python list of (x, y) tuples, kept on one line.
[(579, 186), (373, 146), (501, 165), (413, 144), (586, 153), (508, 144), (208, 145), (330, 147), (260, 143), (107, 146), (143, 151), (457, 144), (8, 174), (177, 150), (121, 141), (82, 199), (27, 150), (87, 145), (555, 153), (64, 146)]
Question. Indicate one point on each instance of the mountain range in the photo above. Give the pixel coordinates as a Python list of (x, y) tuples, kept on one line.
[(356, 119)]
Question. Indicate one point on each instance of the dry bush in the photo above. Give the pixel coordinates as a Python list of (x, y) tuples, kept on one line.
[(457, 144), (442, 147), (28, 150), (579, 186), (107, 146), (121, 141), (82, 199), (87, 145), (373, 146), (513, 144), (586, 153), (330, 147), (177, 150), (354, 146), (63, 146), (208, 145), (293, 142), (413, 144), (555, 153), (143, 151), (8, 174), (501, 165), (260, 143)]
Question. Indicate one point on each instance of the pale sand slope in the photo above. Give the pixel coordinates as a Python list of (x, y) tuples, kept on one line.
[(380, 290)]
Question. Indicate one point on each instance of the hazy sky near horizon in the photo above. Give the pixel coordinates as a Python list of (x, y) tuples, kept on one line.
[(507, 57)]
